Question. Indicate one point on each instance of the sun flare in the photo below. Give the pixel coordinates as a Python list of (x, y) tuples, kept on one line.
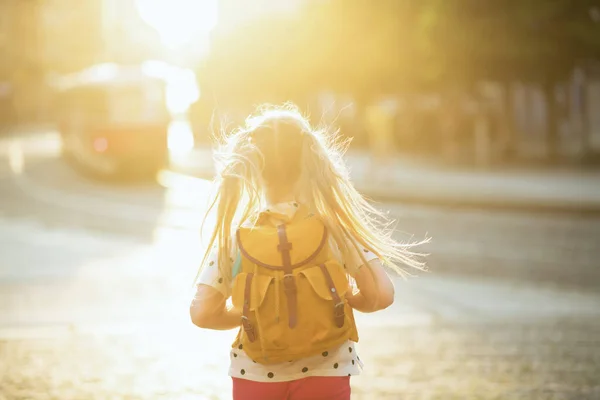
[(178, 22)]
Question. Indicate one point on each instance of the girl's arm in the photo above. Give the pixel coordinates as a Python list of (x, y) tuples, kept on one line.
[(376, 290), (209, 310)]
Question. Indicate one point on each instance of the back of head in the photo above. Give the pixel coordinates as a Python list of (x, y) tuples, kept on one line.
[(279, 142), (278, 148)]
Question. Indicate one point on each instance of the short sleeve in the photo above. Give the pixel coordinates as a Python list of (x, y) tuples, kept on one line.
[(211, 276), (352, 261)]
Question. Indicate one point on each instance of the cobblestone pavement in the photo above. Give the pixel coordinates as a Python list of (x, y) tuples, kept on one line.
[(519, 360)]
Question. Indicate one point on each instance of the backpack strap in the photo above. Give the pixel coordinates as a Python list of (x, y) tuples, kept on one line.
[(289, 281), (338, 310), (237, 265), (248, 327)]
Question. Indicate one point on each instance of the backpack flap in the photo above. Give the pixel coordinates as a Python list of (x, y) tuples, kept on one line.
[(260, 244), (330, 282), (258, 290), (319, 282)]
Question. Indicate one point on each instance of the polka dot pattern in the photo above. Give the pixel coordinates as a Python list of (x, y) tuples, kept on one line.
[(341, 361)]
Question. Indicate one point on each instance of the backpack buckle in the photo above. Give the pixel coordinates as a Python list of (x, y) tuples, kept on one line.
[(339, 314), (289, 283)]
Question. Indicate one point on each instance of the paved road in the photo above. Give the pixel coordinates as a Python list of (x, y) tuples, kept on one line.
[(418, 182), (94, 288)]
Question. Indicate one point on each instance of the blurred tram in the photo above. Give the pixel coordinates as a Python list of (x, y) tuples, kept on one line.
[(114, 120)]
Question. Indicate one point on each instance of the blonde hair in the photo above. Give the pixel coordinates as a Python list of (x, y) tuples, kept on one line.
[(312, 157)]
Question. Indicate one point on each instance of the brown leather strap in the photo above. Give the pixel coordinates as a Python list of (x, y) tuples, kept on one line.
[(281, 267), (289, 282), (284, 248), (338, 308), (248, 328)]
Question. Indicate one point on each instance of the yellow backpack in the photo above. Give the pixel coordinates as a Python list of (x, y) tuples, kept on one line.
[(291, 292)]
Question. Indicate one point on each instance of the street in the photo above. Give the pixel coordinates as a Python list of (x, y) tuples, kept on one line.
[(96, 279)]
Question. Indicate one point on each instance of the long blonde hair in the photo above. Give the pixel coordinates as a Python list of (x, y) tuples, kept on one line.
[(291, 149)]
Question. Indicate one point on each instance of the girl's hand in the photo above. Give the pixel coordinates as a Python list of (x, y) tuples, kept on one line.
[(376, 290), (209, 310)]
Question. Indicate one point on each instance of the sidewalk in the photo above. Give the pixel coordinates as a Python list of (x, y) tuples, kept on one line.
[(556, 190)]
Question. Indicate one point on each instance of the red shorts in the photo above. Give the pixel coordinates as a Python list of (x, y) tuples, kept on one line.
[(311, 388)]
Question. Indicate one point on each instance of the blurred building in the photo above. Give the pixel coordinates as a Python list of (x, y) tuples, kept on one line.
[(126, 36), (78, 34), (72, 34), (20, 69), (19, 40), (36, 38), (39, 38)]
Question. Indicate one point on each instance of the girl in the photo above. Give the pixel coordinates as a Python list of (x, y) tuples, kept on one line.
[(273, 170)]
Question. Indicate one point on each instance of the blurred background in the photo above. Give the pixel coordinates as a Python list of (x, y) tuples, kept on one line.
[(474, 123)]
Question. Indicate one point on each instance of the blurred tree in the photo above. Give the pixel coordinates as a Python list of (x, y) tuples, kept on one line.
[(339, 45), (539, 41), (367, 48), (511, 39)]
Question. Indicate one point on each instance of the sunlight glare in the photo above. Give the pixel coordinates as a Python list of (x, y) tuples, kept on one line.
[(181, 86), (16, 159), (179, 21), (182, 90), (181, 137)]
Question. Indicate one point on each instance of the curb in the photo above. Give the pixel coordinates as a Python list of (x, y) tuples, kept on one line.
[(548, 206)]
